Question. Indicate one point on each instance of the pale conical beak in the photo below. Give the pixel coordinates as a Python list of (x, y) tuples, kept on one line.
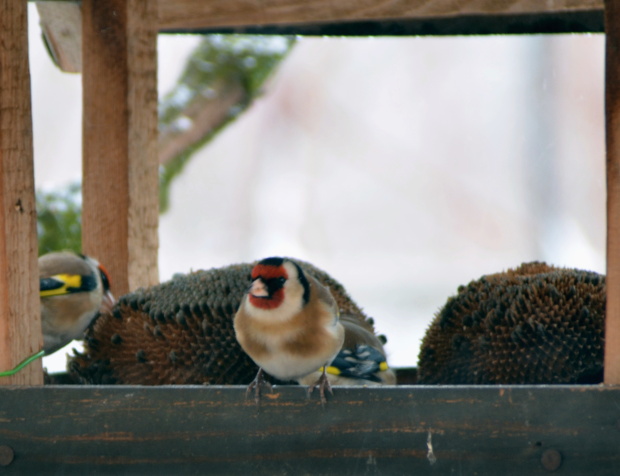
[(107, 303), (258, 289)]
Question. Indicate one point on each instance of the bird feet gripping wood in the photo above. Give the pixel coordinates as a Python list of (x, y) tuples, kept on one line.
[(322, 383), (256, 384)]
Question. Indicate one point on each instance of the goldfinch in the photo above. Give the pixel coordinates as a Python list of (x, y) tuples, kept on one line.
[(288, 324), (73, 288), (361, 361)]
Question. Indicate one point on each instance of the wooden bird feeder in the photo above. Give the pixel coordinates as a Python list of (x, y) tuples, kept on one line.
[(213, 430)]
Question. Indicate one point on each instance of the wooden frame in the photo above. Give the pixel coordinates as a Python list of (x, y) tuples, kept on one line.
[(119, 87), (612, 126), (492, 430), (60, 19), (393, 431), (198, 14), (366, 17), (20, 326)]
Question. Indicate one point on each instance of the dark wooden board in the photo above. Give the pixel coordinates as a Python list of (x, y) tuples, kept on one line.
[(215, 430), (200, 15), (589, 21)]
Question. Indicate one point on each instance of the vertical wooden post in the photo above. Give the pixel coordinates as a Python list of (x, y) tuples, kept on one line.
[(120, 186), (612, 125), (20, 322)]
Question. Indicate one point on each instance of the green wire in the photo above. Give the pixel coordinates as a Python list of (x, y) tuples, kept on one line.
[(22, 364)]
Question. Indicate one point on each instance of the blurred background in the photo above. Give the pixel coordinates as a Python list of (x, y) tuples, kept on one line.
[(404, 167)]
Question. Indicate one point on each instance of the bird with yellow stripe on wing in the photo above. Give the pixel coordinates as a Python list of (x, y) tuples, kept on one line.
[(361, 361), (290, 325), (73, 288)]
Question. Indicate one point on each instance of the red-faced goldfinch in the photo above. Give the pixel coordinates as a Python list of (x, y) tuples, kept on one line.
[(288, 324), (361, 361), (73, 288)]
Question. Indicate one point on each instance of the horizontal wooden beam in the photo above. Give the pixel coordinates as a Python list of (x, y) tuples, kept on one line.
[(61, 24), (196, 15), (591, 21), (393, 430)]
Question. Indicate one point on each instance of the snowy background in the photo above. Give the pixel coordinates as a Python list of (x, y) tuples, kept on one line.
[(402, 166)]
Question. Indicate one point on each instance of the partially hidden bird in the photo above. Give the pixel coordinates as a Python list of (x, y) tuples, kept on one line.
[(73, 288), (290, 326), (361, 361)]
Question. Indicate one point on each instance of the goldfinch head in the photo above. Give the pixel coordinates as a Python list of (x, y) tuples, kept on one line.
[(278, 284)]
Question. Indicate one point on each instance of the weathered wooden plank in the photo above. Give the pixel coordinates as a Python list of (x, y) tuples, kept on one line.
[(61, 23), (612, 127), (61, 19), (120, 186), (198, 14), (20, 326), (200, 430), (569, 22)]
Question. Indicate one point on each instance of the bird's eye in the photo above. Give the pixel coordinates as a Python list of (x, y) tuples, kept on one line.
[(281, 281)]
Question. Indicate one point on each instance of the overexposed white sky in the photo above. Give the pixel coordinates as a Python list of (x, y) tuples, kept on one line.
[(405, 167)]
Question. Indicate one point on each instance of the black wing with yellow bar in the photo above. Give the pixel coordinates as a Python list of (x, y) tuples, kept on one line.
[(61, 284)]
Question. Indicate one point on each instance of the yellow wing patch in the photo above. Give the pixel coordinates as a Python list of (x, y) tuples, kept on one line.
[(59, 284), (362, 362), (331, 370)]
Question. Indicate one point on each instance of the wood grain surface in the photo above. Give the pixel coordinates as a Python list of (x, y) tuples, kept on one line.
[(61, 20), (182, 14), (20, 323), (612, 126), (393, 430), (120, 160)]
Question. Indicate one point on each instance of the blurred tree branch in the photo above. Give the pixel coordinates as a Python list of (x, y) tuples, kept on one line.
[(223, 76), (221, 79)]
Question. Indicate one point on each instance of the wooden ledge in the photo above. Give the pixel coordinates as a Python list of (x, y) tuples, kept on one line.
[(198, 14), (61, 20), (499, 23), (487, 430)]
